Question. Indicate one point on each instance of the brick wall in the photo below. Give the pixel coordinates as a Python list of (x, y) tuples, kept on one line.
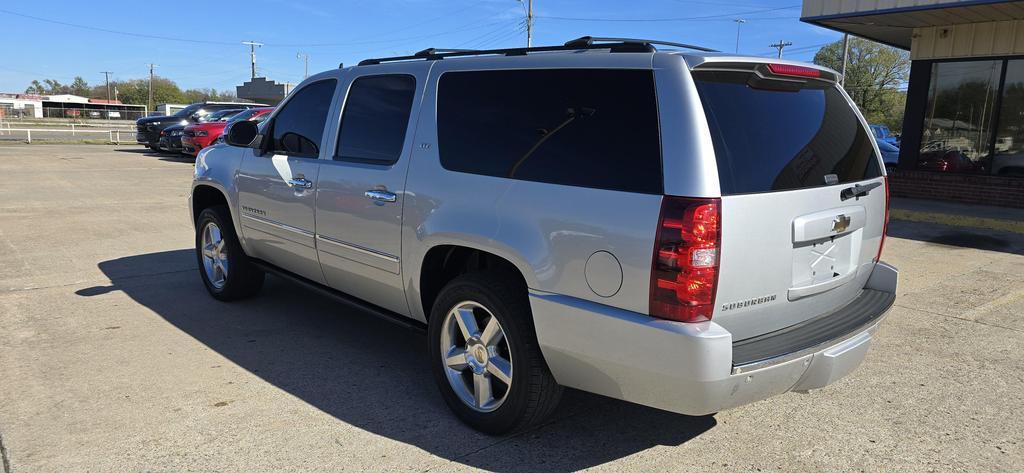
[(966, 188)]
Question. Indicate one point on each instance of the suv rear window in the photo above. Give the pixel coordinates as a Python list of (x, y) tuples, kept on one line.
[(774, 140), (579, 127)]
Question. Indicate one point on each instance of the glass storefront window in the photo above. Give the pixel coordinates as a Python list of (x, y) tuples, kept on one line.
[(957, 132), (1009, 147)]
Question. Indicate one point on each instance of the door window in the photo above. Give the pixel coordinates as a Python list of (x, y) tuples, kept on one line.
[(299, 127), (375, 119), (577, 127)]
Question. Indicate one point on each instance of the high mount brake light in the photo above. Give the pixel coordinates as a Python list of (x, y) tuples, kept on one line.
[(684, 273), (791, 70)]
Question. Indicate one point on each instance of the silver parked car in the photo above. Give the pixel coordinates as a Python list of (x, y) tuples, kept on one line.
[(678, 228)]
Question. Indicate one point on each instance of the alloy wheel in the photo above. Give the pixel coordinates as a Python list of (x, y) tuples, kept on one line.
[(215, 255), (478, 361)]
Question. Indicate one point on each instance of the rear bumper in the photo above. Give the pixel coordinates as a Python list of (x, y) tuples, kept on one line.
[(689, 368)]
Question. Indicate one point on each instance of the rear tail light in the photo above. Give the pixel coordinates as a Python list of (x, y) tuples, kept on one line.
[(684, 273), (791, 70), (885, 225)]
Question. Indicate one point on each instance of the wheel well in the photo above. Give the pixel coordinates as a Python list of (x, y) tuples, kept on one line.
[(205, 197), (446, 262)]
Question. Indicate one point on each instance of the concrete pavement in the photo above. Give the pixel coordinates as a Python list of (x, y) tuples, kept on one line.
[(113, 358)]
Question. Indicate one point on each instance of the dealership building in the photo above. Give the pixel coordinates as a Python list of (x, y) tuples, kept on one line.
[(963, 128)]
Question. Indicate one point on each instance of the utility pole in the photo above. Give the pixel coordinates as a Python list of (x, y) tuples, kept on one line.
[(252, 54), (739, 21), (306, 57), (529, 23), (107, 75), (846, 57), (150, 103), (780, 46)]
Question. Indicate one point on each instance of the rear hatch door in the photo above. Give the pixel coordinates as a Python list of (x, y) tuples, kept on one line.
[(803, 195)]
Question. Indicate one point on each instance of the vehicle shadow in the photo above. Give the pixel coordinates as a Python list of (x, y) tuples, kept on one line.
[(965, 237), (374, 375), (161, 155)]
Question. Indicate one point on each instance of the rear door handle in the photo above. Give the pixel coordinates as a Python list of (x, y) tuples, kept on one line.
[(300, 183), (857, 190), (377, 195)]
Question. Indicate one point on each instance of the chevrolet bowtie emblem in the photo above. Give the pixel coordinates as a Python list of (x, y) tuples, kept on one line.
[(840, 223)]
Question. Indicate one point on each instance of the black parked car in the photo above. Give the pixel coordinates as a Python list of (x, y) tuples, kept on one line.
[(170, 138), (148, 129)]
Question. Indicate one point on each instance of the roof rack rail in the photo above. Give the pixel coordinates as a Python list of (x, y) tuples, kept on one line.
[(585, 42), (588, 41)]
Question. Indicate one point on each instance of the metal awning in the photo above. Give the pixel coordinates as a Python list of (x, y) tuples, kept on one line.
[(895, 26)]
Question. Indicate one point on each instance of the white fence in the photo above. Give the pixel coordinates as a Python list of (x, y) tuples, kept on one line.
[(72, 134)]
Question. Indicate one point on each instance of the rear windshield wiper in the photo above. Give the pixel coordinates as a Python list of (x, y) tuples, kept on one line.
[(858, 190)]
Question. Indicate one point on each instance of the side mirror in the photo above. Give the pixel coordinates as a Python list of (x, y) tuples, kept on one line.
[(242, 134)]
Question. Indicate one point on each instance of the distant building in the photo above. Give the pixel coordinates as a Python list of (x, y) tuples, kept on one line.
[(74, 106), (263, 90), (963, 129), (21, 106), (65, 106), (167, 109)]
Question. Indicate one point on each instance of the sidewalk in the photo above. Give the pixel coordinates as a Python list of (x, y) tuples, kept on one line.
[(955, 214)]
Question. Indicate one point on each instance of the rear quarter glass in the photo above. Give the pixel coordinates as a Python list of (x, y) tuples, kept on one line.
[(770, 140)]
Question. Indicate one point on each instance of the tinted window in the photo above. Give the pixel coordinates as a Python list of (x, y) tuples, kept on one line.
[(589, 128), (375, 119), (299, 126), (773, 140)]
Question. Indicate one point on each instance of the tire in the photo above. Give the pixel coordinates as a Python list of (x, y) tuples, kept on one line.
[(531, 396), (238, 278), (154, 148)]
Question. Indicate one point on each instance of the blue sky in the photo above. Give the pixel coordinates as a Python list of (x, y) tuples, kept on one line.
[(200, 42)]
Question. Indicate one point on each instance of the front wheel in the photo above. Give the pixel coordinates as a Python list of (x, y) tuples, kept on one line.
[(226, 270), (485, 357)]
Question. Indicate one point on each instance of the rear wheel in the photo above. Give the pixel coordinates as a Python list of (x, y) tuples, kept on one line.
[(485, 356), (225, 269)]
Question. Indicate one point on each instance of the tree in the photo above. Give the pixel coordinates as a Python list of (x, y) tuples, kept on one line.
[(875, 74), (133, 91)]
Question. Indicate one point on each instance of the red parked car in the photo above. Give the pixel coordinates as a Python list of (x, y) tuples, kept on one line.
[(201, 135)]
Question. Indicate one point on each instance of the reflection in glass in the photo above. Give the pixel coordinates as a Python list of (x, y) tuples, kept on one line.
[(1009, 145), (957, 129)]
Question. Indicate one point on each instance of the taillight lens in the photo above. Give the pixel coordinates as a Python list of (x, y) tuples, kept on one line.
[(791, 70), (686, 253), (885, 225)]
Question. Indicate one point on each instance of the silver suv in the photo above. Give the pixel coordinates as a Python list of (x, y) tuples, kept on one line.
[(678, 228)]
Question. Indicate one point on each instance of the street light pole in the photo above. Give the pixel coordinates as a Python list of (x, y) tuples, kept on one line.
[(739, 21), (846, 56)]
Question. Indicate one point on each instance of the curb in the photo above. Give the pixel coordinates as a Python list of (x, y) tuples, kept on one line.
[(958, 220)]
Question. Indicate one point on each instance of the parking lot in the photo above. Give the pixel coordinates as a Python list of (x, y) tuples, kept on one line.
[(114, 358)]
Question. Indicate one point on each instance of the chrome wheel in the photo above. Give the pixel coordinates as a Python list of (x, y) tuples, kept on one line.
[(478, 362), (215, 255)]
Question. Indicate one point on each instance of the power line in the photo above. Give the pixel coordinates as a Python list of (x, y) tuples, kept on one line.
[(692, 18), (104, 30)]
